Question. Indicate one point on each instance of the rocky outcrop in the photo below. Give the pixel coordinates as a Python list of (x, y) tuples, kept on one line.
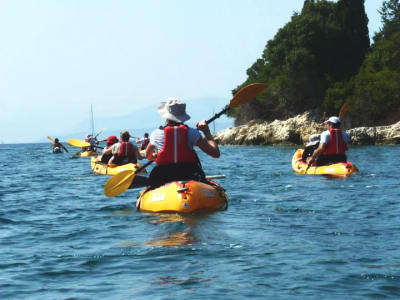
[(296, 131)]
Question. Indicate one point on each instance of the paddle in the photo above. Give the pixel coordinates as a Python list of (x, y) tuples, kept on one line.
[(78, 143), (243, 95), (120, 182), (143, 180), (51, 139), (100, 132), (345, 107)]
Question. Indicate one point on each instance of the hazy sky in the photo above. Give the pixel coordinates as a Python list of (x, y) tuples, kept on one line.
[(59, 56)]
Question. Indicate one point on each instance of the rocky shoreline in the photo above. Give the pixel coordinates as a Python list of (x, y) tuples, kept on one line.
[(296, 131)]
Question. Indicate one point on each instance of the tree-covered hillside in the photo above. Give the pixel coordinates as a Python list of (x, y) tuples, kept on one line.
[(323, 58)]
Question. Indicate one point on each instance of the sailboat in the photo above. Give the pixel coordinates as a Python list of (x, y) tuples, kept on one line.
[(88, 152)]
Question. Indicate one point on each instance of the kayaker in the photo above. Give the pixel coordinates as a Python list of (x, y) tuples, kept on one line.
[(104, 158), (333, 145), (144, 141), (176, 158), (93, 143), (123, 152), (57, 146), (312, 145)]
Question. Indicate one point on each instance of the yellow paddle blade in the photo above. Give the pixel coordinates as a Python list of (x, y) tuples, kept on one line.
[(345, 107), (246, 93), (119, 183), (78, 143), (51, 140)]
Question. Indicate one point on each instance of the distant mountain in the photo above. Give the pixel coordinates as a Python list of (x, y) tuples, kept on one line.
[(147, 119)]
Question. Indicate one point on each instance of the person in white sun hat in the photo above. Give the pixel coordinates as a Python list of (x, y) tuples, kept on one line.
[(312, 145), (333, 145), (174, 144)]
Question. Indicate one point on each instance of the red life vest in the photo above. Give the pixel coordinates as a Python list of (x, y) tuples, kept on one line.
[(126, 150), (336, 144), (144, 144), (176, 149)]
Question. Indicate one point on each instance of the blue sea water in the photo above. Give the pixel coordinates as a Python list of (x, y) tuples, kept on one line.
[(284, 236)]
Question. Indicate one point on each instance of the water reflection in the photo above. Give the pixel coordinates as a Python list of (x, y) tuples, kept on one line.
[(181, 235)]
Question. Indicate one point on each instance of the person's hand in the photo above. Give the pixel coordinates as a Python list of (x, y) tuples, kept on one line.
[(310, 161), (203, 126)]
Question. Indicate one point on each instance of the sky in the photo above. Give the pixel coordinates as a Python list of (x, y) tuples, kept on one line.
[(59, 57)]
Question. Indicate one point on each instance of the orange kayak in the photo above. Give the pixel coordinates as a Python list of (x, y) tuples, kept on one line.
[(183, 197), (339, 169)]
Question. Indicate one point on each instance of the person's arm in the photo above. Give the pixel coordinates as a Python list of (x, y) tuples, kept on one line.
[(137, 153), (150, 152), (107, 151), (317, 153), (64, 147), (207, 144)]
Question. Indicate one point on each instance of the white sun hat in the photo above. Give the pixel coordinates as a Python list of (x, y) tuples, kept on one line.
[(313, 139), (173, 109), (333, 120)]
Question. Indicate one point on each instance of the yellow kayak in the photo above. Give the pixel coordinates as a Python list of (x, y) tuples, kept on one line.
[(339, 169), (104, 169), (183, 197), (86, 153)]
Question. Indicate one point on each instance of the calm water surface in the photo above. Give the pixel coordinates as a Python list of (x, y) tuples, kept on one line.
[(284, 236)]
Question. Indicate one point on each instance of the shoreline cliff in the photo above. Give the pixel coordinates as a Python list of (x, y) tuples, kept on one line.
[(296, 131)]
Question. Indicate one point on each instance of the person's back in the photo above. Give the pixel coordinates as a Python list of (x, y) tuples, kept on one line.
[(58, 147), (145, 141), (333, 145), (176, 158), (124, 152)]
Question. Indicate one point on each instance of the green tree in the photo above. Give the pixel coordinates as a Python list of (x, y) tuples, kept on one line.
[(390, 16), (324, 44)]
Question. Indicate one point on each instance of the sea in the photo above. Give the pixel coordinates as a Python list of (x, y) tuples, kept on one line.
[(283, 236)]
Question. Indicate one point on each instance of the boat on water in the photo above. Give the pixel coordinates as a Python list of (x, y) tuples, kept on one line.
[(183, 197), (341, 169), (104, 169)]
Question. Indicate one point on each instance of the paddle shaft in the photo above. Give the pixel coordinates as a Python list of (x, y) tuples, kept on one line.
[(216, 116), (143, 167), (215, 176), (243, 95)]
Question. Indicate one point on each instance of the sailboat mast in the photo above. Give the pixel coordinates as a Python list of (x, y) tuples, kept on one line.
[(91, 111)]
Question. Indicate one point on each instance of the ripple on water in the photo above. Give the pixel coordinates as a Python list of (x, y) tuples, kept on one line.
[(284, 236)]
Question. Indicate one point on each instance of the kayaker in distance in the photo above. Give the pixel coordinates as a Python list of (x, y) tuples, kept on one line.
[(93, 144), (104, 158), (57, 146), (312, 145), (176, 158), (123, 152), (333, 144), (144, 141)]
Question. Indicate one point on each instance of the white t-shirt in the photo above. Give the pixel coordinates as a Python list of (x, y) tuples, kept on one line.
[(105, 149), (157, 138), (325, 137)]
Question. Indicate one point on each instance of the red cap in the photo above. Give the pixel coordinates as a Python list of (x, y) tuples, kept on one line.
[(112, 139)]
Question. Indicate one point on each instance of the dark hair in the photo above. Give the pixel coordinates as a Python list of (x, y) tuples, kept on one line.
[(173, 123), (56, 140), (146, 135)]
